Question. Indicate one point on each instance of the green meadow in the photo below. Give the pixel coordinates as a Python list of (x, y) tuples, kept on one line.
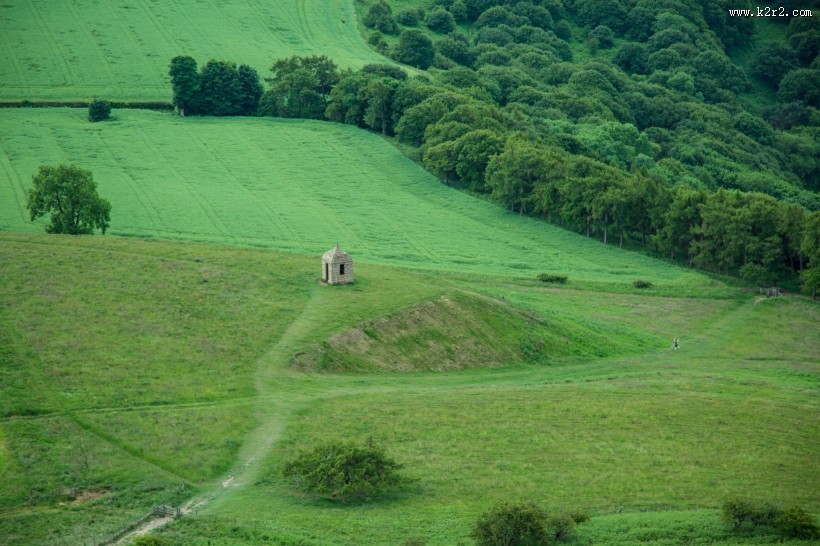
[(79, 49), (140, 371), (187, 355), (298, 186)]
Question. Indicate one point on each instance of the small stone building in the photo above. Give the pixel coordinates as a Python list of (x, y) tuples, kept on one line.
[(337, 266)]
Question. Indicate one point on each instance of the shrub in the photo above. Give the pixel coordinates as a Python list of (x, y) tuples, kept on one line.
[(561, 527), (797, 523), (440, 20), (99, 110), (410, 17), (642, 284), (579, 516), (342, 470), (737, 511), (765, 514), (380, 17), (512, 525), (546, 277)]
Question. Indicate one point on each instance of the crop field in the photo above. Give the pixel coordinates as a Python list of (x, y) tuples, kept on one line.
[(79, 49), (297, 186)]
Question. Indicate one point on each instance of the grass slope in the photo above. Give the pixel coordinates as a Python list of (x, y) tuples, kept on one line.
[(625, 423), (120, 50), (296, 186)]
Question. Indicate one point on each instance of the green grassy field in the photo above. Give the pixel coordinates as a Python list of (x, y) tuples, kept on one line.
[(201, 340), (297, 186), (184, 357), (120, 50)]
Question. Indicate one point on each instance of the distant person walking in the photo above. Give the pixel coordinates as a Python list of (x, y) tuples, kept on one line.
[(676, 344)]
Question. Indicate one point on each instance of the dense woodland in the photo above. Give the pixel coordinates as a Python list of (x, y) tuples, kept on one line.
[(632, 121)]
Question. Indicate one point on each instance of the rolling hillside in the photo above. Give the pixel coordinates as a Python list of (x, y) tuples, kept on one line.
[(120, 50), (297, 186), (133, 366), (187, 355)]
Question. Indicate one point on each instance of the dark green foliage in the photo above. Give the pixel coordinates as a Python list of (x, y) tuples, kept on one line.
[(459, 11), (579, 516), (380, 17), (410, 17), (787, 116), (632, 58), (456, 49), (757, 275), (810, 281), (69, 193), (603, 36), (592, 13), (220, 89), (642, 284), (773, 61), (810, 248), (561, 527), (547, 277), (797, 523), (500, 15), (185, 84), (806, 44), (250, 90), (538, 16), (801, 85), (415, 49), (511, 525), (385, 70), (376, 39), (440, 20), (344, 470), (735, 512), (299, 87), (99, 110)]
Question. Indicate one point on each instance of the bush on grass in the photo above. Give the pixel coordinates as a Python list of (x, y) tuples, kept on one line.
[(511, 524), (99, 110), (546, 277), (737, 511), (796, 523), (561, 527), (344, 470), (642, 284)]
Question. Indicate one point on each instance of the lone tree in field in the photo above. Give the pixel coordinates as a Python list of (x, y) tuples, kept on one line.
[(69, 193), (343, 470)]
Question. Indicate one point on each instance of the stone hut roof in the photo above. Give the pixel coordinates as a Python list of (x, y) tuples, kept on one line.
[(336, 254)]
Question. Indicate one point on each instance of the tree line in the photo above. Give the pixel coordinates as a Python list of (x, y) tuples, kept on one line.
[(627, 147)]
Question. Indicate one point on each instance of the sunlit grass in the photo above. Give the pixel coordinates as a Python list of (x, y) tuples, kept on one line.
[(297, 186), (121, 50)]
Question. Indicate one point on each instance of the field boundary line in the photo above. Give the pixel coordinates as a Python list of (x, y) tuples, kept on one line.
[(123, 446)]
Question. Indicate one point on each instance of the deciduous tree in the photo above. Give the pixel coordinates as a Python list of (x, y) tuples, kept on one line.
[(185, 84), (69, 193)]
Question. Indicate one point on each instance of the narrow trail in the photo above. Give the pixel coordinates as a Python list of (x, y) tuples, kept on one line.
[(272, 412)]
